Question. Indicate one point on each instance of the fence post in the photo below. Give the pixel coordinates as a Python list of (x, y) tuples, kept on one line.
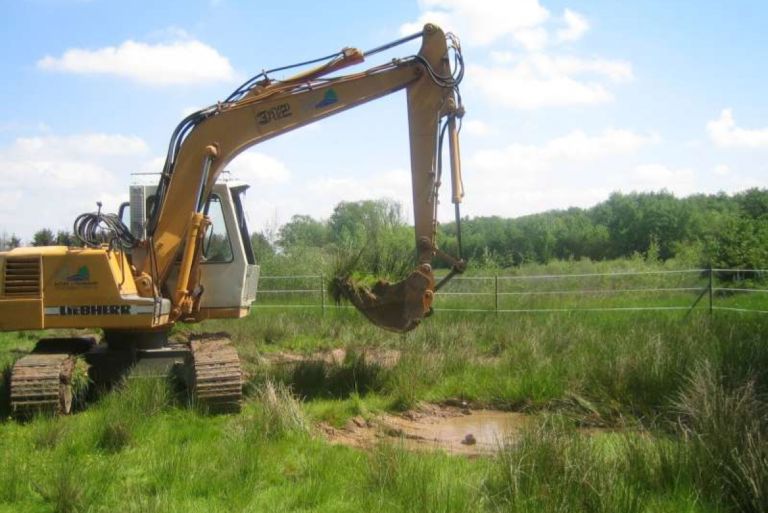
[(322, 293), (710, 289), (496, 293)]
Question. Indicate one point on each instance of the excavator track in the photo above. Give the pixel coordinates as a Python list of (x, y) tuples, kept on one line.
[(216, 381), (42, 384)]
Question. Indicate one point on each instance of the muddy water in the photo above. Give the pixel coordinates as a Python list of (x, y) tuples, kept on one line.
[(434, 427), (481, 431)]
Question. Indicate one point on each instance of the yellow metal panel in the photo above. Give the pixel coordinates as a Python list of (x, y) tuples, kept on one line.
[(40, 250), (21, 314), (81, 288), (85, 276)]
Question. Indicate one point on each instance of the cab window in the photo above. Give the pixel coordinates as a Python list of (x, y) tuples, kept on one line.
[(216, 245)]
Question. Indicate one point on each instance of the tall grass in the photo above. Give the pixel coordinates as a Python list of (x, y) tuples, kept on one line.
[(277, 412), (400, 481), (726, 429), (555, 468)]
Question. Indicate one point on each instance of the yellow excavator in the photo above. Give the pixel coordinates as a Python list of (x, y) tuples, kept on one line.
[(134, 283)]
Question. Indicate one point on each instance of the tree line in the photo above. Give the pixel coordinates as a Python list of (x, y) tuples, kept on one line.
[(722, 230), (42, 237), (718, 229)]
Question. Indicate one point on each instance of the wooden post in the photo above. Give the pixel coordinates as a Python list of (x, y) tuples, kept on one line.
[(496, 292), (322, 293), (710, 290)]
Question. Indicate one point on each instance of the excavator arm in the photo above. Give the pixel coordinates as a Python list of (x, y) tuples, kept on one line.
[(206, 141)]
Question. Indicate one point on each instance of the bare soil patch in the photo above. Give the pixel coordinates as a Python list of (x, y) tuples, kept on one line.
[(385, 358)]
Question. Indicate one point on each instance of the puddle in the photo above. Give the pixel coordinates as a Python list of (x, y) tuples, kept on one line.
[(454, 430)]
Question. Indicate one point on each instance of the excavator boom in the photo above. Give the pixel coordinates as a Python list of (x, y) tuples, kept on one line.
[(208, 140)]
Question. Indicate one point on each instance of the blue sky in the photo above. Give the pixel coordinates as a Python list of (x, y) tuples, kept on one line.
[(566, 101)]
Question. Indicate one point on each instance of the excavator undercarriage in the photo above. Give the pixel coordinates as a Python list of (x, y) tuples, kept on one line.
[(60, 372)]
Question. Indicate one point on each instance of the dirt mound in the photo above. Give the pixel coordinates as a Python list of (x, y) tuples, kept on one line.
[(455, 430)]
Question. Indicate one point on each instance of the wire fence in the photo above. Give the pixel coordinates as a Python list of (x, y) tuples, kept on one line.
[(741, 290)]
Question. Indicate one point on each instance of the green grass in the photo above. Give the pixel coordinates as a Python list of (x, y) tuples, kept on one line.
[(682, 400), (172, 459)]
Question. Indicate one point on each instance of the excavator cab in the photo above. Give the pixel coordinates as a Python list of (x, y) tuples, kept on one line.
[(229, 273)]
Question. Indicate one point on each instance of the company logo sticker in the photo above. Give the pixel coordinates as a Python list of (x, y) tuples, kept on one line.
[(329, 98), (82, 274), (69, 277)]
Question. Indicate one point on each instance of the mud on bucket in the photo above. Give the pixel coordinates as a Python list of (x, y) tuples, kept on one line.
[(397, 307)]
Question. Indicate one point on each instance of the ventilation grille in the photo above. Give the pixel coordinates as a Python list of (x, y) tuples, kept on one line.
[(22, 277)]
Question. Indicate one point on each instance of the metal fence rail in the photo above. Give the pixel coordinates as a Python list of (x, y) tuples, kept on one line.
[(737, 290)]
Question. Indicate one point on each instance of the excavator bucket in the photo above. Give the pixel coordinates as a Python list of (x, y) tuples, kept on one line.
[(397, 307)]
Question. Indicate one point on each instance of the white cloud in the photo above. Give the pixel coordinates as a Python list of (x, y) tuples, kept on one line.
[(108, 145), (576, 25), (724, 133), (533, 38), (501, 57), (393, 184), (579, 146), (153, 165), (475, 127), (654, 177), (484, 22), (481, 23), (275, 196), (575, 146), (540, 80), (722, 170), (614, 70), (54, 178), (565, 171), (258, 169), (178, 62), (527, 71)]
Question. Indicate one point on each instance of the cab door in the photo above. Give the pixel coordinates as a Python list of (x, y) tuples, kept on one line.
[(229, 273)]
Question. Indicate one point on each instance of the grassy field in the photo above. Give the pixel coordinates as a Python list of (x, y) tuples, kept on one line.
[(675, 410)]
